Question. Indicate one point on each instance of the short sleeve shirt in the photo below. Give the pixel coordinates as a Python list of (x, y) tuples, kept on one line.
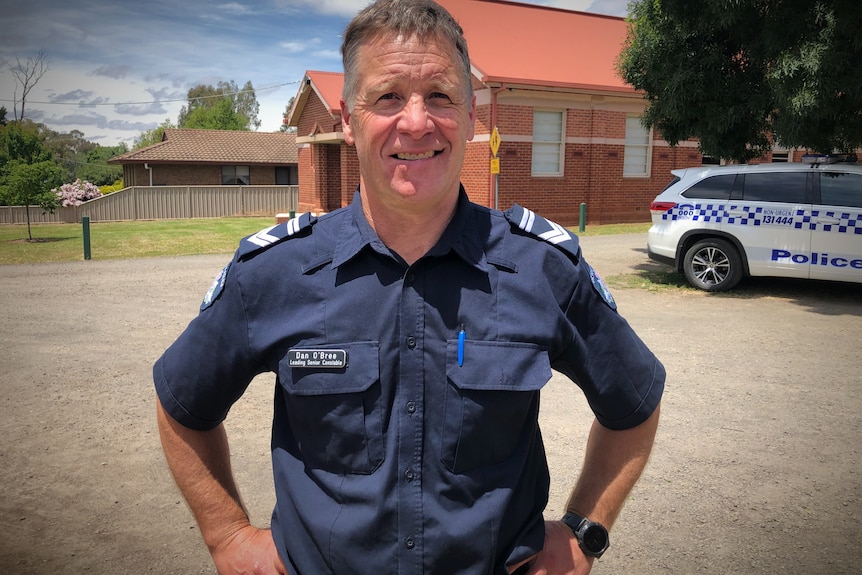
[(397, 448)]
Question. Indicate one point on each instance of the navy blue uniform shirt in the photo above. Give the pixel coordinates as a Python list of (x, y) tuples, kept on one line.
[(391, 454)]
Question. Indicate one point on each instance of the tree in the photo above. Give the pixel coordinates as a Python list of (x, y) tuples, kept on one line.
[(284, 127), (153, 136), (27, 75), (243, 102), (740, 74), (220, 116), (23, 141), (32, 184), (96, 169)]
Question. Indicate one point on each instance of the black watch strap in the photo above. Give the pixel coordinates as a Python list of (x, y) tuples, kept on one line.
[(592, 537)]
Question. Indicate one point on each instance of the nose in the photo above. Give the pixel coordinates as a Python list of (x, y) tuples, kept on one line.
[(415, 119)]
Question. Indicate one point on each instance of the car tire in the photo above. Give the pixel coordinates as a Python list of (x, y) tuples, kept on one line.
[(712, 265)]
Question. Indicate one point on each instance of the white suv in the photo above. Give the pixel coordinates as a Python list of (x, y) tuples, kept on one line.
[(802, 220)]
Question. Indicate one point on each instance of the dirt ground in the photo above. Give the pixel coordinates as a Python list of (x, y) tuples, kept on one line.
[(756, 468)]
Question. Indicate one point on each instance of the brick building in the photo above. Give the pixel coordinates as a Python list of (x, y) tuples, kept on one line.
[(569, 127), (187, 157)]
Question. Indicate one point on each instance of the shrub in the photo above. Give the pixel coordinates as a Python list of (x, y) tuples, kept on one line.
[(77, 193)]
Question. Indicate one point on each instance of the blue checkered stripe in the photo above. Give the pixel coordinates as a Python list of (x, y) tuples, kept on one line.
[(715, 213), (849, 223)]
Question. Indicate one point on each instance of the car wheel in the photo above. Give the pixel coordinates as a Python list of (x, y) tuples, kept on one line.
[(713, 265)]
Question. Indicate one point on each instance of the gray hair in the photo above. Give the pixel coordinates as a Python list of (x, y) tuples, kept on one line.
[(405, 19)]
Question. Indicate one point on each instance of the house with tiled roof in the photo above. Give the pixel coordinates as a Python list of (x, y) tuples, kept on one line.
[(187, 157), (569, 127)]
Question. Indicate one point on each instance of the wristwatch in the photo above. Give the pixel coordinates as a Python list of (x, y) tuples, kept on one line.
[(592, 537)]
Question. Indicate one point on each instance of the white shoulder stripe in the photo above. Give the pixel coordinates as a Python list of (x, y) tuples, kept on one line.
[(527, 220), (556, 234), (263, 237)]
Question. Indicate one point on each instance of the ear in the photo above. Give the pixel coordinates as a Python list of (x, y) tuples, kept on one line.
[(472, 115), (346, 125)]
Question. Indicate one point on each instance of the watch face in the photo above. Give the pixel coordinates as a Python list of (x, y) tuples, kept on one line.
[(595, 538)]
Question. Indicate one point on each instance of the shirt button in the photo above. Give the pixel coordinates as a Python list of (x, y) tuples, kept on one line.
[(411, 342), (409, 278), (410, 543), (409, 475), (411, 407)]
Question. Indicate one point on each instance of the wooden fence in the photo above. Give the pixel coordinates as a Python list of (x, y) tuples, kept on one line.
[(166, 203)]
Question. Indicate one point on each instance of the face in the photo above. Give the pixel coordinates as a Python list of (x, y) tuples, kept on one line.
[(410, 122)]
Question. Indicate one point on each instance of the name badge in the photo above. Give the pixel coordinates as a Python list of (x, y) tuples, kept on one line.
[(317, 358)]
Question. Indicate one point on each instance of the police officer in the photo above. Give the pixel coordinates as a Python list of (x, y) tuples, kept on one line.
[(411, 333)]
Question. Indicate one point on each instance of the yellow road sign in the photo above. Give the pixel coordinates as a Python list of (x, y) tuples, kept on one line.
[(495, 165), (495, 141)]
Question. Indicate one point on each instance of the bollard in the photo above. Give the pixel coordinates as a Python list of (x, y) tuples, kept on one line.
[(582, 225), (85, 222)]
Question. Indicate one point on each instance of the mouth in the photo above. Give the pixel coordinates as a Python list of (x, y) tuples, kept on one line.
[(419, 156)]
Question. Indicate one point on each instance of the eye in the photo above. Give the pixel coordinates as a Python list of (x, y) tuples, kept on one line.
[(438, 96)]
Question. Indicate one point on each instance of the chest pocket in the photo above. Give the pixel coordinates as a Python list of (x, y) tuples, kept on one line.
[(492, 401), (335, 414)]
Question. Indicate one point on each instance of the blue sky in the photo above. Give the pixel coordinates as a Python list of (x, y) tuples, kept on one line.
[(119, 68)]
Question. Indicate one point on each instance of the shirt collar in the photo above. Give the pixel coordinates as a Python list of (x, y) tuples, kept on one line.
[(462, 235)]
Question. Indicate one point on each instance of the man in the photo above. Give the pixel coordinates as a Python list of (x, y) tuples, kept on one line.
[(411, 333)]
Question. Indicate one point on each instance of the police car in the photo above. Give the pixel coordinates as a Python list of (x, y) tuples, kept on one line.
[(722, 223)]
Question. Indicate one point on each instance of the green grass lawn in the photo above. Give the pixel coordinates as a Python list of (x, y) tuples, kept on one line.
[(138, 239)]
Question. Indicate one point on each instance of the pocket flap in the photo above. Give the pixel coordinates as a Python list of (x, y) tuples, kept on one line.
[(504, 366)]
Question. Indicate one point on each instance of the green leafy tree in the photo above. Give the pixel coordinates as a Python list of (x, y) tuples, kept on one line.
[(211, 99), (69, 150), (95, 167), (736, 74), (153, 136), (220, 116), (32, 185), (24, 141)]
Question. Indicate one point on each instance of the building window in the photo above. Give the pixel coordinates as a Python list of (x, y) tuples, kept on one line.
[(548, 144), (235, 175), (780, 154), (286, 176), (638, 149)]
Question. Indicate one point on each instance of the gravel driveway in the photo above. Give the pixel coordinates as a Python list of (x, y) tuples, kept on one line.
[(756, 467)]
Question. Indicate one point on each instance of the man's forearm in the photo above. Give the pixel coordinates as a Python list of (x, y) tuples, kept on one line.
[(613, 463), (200, 464)]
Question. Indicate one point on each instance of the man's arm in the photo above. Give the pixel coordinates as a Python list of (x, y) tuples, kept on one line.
[(613, 463), (200, 464)]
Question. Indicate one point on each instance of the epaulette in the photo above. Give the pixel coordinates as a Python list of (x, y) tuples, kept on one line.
[(265, 239), (535, 225)]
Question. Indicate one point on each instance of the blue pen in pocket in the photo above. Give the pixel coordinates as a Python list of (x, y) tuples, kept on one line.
[(462, 336)]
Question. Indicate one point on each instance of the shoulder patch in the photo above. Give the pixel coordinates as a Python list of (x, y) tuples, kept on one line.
[(601, 288), (215, 289), (536, 225), (272, 235)]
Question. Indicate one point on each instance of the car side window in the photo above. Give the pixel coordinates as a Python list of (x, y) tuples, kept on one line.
[(787, 187), (841, 189), (712, 188)]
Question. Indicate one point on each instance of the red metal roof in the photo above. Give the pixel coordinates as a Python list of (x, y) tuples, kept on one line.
[(516, 43), (328, 86)]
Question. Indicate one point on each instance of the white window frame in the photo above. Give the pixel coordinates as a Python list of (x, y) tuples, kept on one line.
[(637, 159), (781, 155), (549, 140)]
